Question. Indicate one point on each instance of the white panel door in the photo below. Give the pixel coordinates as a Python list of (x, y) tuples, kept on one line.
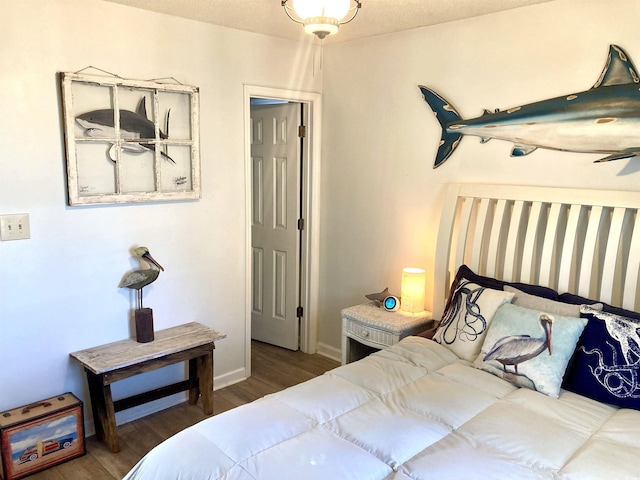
[(275, 152)]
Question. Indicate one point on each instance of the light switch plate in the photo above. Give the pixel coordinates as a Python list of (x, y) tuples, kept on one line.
[(15, 227)]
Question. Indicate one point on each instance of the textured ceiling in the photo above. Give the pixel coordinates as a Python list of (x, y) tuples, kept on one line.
[(376, 17)]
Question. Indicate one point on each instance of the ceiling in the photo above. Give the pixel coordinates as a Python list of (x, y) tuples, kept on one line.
[(376, 17)]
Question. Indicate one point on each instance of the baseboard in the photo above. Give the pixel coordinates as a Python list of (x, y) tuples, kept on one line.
[(330, 352), (230, 378)]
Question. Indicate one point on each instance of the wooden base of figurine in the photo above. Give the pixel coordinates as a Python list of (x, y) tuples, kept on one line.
[(144, 325)]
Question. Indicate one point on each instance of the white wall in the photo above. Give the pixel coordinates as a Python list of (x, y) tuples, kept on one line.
[(381, 196), (58, 290)]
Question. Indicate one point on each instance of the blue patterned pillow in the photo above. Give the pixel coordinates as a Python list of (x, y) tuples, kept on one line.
[(530, 348), (606, 365), (468, 314)]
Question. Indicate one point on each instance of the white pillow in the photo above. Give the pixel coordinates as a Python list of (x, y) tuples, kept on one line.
[(534, 302), (464, 324)]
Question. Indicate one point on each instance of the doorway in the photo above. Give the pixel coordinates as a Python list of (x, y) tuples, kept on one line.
[(278, 154), (307, 251)]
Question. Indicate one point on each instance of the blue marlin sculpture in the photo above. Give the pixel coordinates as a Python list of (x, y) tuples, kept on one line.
[(133, 126), (604, 119)]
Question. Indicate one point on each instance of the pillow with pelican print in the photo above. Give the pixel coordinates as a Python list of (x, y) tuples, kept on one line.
[(530, 348), (468, 314)]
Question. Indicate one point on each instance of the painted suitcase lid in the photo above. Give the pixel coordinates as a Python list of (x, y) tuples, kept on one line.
[(32, 411)]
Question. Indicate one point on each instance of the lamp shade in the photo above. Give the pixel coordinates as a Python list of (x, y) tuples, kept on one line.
[(413, 288), (320, 26), (321, 17), (336, 9)]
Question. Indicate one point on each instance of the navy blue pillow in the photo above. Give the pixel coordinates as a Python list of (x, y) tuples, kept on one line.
[(578, 300), (606, 363), (464, 272), (488, 282)]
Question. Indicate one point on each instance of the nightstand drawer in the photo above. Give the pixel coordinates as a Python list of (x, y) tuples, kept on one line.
[(367, 328), (369, 334)]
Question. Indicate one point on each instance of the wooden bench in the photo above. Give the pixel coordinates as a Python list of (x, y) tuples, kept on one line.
[(106, 364)]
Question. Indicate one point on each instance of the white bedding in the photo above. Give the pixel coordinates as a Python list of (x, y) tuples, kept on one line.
[(413, 411)]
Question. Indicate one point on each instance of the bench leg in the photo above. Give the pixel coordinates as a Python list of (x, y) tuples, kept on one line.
[(94, 392), (110, 428), (194, 387), (104, 415), (205, 379)]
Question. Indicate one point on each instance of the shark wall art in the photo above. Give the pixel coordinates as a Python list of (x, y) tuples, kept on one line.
[(604, 119), (133, 126)]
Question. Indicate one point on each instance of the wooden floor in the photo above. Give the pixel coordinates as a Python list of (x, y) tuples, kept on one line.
[(273, 369)]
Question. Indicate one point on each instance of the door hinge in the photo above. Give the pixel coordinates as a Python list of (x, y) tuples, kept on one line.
[(302, 131), (301, 224), (299, 312)]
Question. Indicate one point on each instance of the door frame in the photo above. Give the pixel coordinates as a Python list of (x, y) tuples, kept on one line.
[(310, 251)]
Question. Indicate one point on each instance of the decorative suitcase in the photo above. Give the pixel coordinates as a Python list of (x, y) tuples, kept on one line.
[(40, 435)]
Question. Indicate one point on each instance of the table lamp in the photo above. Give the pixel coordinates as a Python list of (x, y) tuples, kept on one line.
[(413, 288)]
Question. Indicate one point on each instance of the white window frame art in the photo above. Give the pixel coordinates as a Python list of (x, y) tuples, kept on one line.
[(130, 141)]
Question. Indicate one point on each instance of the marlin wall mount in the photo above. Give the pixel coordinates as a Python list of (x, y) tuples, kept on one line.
[(130, 141), (604, 119)]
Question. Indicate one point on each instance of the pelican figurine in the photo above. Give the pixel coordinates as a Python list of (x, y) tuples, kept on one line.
[(138, 279), (515, 349)]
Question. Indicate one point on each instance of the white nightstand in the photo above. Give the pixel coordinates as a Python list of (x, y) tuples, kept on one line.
[(367, 328)]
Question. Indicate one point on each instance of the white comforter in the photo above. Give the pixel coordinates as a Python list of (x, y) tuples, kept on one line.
[(414, 411)]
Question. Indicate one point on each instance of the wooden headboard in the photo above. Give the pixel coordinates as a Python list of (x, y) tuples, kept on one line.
[(580, 241)]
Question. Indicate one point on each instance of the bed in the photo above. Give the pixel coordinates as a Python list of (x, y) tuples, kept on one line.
[(514, 266)]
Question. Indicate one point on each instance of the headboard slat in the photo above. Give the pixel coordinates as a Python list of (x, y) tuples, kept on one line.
[(567, 260), (589, 252), (551, 234), (528, 269), (511, 246), (463, 231), (482, 217), (630, 291), (611, 256), (494, 241)]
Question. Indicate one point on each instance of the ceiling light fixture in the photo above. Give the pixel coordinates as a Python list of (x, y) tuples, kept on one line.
[(321, 17)]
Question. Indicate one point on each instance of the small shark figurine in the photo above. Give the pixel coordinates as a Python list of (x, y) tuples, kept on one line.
[(133, 126), (604, 119), (379, 297)]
